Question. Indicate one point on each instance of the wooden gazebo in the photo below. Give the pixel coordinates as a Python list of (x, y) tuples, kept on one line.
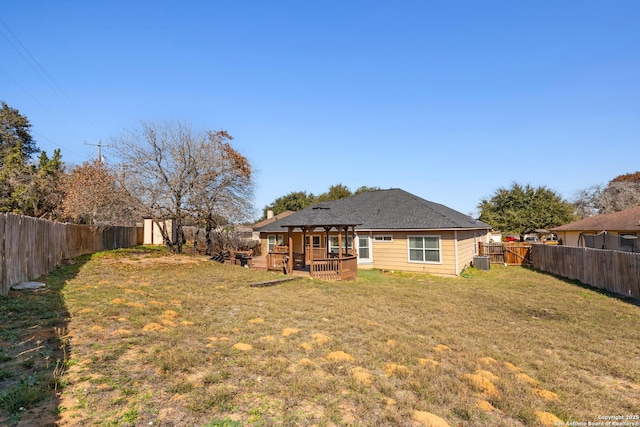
[(322, 264)]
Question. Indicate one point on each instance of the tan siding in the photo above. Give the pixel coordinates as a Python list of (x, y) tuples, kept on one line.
[(395, 255), (570, 238), (467, 247)]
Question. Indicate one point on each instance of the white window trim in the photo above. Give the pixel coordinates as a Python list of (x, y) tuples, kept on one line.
[(422, 236), (368, 260), (382, 238), (278, 240)]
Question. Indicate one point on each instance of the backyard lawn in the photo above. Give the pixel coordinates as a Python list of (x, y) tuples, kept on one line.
[(138, 337)]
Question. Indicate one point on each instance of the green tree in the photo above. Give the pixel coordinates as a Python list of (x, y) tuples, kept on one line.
[(294, 201), (15, 131), (31, 189), (364, 189), (336, 192), (521, 208)]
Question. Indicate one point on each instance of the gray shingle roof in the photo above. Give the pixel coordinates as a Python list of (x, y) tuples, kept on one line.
[(382, 210)]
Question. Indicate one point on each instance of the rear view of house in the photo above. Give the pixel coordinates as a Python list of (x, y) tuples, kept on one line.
[(384, 229)]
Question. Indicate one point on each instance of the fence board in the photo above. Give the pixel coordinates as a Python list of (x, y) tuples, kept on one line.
[(507, 253), (31, 247), (614, 271)]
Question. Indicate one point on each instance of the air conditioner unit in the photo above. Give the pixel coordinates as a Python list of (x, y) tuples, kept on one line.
[(482, 263)]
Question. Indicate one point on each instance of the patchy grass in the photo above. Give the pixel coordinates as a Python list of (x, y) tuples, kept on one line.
[(178, 340)]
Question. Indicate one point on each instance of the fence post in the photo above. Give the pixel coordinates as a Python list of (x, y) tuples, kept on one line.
[(4, 288)]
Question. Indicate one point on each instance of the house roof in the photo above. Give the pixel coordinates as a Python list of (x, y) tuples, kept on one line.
[(272, 219), (392, 209), (626, 220), (322, 214)]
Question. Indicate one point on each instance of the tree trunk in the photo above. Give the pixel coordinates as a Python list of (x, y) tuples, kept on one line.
[(209, 242)]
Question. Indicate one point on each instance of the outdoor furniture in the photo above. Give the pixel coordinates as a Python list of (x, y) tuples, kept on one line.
[(243, 259)]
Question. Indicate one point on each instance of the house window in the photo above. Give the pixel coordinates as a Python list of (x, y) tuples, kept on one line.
[(316, 241), (424, 249), (364, 249), (272, 239), (383, 239), (627, 240), (333, 243)]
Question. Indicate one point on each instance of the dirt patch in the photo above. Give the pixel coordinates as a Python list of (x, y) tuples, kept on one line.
[(440, 348), (170, 314), (305, 361), (392, 369), (305, 346), (427, 362), (339, 356), (526, 378), (362, 375), (548, 419), (320, 339), (289, 331), (242, 346), (153, 327), (428, 419), (546, 394), (485, 406), (488, 360), (482, 384)]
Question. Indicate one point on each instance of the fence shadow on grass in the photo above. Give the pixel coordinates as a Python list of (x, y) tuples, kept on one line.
[(575, 282), (34, 350)]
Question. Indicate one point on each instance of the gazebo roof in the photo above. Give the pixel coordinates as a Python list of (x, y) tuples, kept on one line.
[(320, 215)]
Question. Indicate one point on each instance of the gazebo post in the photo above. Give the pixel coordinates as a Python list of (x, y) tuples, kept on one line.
[(326, 239), (290, 260), (311, 245), (353, 240), (340, 243), (304, 246)]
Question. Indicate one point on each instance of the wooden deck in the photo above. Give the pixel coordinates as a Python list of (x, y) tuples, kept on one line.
[(260, 262), (345, 268)]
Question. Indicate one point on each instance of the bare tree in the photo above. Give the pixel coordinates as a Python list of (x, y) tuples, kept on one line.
[(615, 197), (223, 192), (174, 172)]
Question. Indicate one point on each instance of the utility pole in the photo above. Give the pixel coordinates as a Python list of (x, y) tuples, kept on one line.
[(99, 145)]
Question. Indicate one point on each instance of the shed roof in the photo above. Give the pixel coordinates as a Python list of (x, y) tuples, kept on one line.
[(382, 210), (626, 220)]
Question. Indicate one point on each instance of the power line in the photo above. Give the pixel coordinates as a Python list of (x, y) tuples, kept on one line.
[(42, 73), (55, 87)]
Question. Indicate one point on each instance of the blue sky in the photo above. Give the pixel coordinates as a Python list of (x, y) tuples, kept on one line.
[(449, 100)]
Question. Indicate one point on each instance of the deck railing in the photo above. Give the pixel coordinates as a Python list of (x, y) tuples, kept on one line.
[(334, 268), (321, 267), (276, 258)]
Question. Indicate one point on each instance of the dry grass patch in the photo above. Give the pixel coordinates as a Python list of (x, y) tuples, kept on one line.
[(386, 349)]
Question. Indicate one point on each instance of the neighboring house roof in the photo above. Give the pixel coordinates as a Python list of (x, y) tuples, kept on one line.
[(392, 209), (626, 220), (272, 219)]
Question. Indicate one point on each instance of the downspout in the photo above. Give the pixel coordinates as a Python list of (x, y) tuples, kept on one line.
[(455, 249)]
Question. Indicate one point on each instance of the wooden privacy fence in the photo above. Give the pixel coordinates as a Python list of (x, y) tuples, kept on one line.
[(617, 272), (31, 247), (506, 253)]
